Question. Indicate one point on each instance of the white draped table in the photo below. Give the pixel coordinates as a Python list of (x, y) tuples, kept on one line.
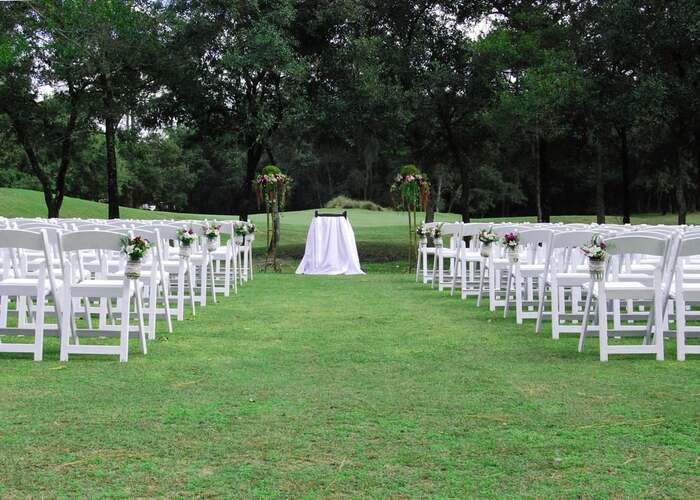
[(330, 248)]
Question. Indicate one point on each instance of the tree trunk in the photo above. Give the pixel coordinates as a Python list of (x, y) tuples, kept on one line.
[(438, 194), (624, 152), (53, 203), (599, 186), (680, 185), (465, 175), (696, 152), (464, 172), (247, 194), (112, 180), (430, 208), (535, 146), (544, 210)]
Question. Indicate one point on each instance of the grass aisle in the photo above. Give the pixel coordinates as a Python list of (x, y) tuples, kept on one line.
[(369, 386)]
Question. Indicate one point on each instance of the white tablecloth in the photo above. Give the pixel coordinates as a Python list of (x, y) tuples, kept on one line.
[(330, 248)]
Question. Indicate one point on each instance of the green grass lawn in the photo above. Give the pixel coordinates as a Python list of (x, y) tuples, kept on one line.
[(368, 386)]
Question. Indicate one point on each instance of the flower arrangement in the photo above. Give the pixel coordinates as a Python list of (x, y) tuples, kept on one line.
[(135, 248), (511, 240), (251, 227), (211, 231), (437, 232), (423, 231), (272, 183), (596, 249), (412, 188), (186, 236), (240, 229), (597, 253), (487, 236)]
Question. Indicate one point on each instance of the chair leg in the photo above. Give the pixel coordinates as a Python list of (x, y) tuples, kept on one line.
[(586, 314), (124, 327), (556, 308), (165, 283), (181, 291), (66, 322), (481, 285), (39, 326), (540, 308), (505, 308), (152, 303), (4, 303), (680, 327), (213, 282), (521, 286), (603, 324), (227, 277), (191, 274), (203, 283), (659, 328), (139, 315)]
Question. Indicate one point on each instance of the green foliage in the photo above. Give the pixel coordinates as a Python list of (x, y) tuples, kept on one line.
[(345, 202), (410, 170), (271, 169), (204, 93)]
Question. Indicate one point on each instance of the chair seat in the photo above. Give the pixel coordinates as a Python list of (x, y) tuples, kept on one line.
[(102, 288), (525, 268), (219, 253), (627, 290), (12, 286), (471, 255), (448, 252), (643, 268), (691, 291)]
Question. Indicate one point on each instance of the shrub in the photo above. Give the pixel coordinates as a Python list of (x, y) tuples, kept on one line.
[(345, 202), (271, 169), (409, 170)]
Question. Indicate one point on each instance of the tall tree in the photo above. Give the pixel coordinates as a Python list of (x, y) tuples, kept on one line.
[(43, 95)]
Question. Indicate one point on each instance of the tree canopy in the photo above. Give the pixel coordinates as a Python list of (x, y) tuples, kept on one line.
[(511, 107)]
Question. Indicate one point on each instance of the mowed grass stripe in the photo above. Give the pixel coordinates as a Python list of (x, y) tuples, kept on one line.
[(349, 386)]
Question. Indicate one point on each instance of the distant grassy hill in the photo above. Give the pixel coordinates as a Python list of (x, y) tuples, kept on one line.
[(381, 236)]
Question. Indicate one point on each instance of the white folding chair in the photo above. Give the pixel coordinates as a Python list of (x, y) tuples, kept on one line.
[(686, 293), (155, 280), (527, 276), (495, 269), (16, 283), (174, 265), (453, 233), (646, 290), (565, 279), (81, 285)]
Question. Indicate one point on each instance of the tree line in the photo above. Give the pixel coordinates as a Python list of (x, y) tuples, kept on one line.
[(510, 106)]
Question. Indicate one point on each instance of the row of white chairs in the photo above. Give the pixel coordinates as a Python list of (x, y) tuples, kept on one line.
[(650, 290), (73, 271)]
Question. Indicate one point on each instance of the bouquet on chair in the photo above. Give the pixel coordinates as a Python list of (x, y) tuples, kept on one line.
[(211, 232), (135, 250), (437, 235), (422, 232), (251, 230), (597, 253), (512, 241), (186, 237), (240, 231), (487, 237)]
